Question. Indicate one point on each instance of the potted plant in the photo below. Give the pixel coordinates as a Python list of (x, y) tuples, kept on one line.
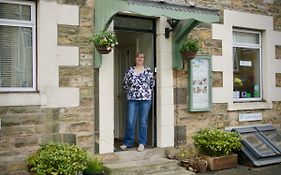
[(189, 48), (58, 158), (94, 167), (104, 41), (219, 146), (191, 160)]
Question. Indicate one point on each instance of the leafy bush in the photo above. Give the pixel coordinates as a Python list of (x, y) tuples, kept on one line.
[(186, 153), (58, 159), (94, 166), (216, 142), (190, 45)]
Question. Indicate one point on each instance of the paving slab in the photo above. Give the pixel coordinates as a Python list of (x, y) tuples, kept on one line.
[(274, 169)]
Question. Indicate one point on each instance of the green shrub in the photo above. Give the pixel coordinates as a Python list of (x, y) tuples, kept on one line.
[(216, 142), (94, 165), (186, 153), (58, 159)]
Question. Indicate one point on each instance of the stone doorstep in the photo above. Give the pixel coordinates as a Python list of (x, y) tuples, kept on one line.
[(150, 161), (146, 166), (132, 155), (180, 171)]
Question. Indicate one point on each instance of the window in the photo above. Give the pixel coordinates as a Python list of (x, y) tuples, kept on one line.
[(17, 46), (246, 65)]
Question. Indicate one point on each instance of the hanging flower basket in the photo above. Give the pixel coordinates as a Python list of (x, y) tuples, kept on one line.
[(189, 55), (104, 41), (103, 49), (189, 48)]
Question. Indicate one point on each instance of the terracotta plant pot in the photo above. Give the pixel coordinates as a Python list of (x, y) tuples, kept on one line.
[(189, 55), (103, 49)]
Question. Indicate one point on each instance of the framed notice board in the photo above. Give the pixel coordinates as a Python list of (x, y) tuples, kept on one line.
[(200, 84)]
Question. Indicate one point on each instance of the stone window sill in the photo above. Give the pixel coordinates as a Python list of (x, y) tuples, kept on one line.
[(21, 99), (249, 106)]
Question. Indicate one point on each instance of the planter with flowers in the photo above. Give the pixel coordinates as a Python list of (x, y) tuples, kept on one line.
[(189, 48), (218, 146), (104, 41)]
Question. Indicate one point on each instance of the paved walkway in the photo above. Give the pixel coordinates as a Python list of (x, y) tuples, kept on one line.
[(244, 170)]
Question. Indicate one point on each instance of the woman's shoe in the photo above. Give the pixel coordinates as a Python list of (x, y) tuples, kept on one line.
[(140, 148), (123, 147)]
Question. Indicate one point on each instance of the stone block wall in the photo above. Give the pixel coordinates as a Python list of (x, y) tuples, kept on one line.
[(219, 117), (24, 128)]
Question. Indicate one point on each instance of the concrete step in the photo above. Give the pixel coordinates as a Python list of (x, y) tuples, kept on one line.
[(132, 155), (145, 166), (150, 161), (180, 171)]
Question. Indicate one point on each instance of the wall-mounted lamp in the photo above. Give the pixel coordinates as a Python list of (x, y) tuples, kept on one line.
[(173, 23)]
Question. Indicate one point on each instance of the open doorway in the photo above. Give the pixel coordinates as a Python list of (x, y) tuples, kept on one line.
[(134, 34)]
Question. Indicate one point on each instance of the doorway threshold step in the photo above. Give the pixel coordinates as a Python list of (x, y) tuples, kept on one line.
[(133, 155), (144, 166)]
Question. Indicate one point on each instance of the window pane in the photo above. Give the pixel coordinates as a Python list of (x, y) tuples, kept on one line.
[(246, 82), (15, 56), (247, 38), (261, 149), (15, 11)]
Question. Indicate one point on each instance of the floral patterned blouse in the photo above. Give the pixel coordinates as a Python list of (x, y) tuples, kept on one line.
[(139, 87)]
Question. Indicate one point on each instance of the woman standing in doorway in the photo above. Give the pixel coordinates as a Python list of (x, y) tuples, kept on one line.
[(138, 83)]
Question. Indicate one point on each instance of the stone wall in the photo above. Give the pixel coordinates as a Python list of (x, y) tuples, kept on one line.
[(219, 117), (24, 128)]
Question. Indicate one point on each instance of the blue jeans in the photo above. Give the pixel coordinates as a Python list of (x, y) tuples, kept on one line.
[(141, 109)]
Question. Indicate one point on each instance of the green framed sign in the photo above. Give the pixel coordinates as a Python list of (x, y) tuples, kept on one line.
[(200, 84)]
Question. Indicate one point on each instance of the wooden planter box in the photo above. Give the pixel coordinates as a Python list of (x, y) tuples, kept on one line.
[(222, 162)]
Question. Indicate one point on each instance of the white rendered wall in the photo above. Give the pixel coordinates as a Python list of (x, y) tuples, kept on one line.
[(224, 63), (49, 57)]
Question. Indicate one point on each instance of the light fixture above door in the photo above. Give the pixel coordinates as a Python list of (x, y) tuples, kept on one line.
[(173, 23)]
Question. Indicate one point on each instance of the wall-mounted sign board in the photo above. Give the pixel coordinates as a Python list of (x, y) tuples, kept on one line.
[(200, 84)]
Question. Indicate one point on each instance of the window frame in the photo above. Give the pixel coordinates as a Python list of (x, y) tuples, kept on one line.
[(30, 24), (251, 46)]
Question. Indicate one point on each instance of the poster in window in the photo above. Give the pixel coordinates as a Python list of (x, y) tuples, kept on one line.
[(200, 84)]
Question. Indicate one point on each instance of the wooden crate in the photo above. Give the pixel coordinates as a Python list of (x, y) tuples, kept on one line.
[(222, 162)]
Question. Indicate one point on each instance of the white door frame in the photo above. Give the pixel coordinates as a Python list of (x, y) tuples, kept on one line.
[(165, 96)]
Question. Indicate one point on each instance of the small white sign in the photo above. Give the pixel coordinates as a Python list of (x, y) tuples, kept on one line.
[(250, 117), (245, 63)]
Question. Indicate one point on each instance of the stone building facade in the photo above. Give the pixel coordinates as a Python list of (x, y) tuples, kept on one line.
[(74, 100)]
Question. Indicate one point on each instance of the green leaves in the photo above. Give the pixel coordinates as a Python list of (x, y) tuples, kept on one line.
[(105, 38), (190, 45), (58, 159), (216, 142)]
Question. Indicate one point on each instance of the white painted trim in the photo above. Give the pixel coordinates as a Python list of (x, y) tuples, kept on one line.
[(106, 103), (50, 57), (165, 97), (22, 23), (224, 63)]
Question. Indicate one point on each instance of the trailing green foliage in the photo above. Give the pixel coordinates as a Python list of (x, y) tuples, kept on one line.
[(58, 159), (216, 142), (94, 165), (105, 38), (190, 45)]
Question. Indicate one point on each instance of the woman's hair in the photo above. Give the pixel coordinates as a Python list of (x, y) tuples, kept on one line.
[(139, 53)]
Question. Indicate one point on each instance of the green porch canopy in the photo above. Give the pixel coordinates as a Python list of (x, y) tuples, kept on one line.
[(190, 17)]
